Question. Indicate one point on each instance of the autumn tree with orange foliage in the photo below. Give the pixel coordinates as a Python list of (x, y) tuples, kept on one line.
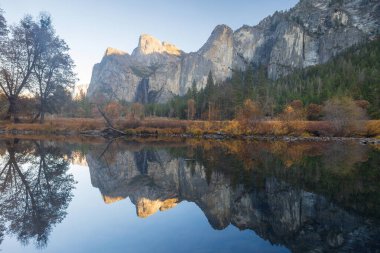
[(314, 112), (249, 114), (293, 111), (113, 109), (364, 104)]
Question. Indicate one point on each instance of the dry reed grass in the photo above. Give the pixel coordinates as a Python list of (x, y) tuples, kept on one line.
[(167, 126)]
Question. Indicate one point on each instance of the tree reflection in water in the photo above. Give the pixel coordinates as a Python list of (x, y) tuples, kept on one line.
[(35, 190)]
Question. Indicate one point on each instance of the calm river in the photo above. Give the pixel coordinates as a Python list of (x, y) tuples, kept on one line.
[(157, 195)]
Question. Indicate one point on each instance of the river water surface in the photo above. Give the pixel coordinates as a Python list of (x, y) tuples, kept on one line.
[(151, 195)]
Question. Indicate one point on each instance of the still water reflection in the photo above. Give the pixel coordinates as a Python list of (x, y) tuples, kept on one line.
[(188, 196)]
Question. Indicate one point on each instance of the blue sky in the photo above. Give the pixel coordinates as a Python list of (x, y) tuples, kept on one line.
[(90, 26)]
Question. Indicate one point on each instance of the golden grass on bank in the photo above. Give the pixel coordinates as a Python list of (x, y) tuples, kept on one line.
[(165, 126), (373, 128), (57, 125)]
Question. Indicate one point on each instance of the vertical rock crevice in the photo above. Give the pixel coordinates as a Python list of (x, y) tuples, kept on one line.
[(142, 91)]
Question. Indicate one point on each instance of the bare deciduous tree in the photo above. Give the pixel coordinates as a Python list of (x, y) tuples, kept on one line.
[(113, 110), (191, 109), (137, 111), (3, 25), (53, 70), (249, 115), (344, 115), (19, 53)]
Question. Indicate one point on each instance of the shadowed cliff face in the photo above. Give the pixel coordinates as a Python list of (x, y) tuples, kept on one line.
[(142, 93), (308, 197)]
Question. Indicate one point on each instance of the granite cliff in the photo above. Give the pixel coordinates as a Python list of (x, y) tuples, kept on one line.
[(310, 33)]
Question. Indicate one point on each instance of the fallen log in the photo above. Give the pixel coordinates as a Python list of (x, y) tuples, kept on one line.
[(110, 131)]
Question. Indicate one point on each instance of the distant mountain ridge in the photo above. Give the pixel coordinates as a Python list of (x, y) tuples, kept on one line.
[(310, 33)]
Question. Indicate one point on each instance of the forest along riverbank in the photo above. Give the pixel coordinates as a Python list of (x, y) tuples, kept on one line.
[(368, 132)]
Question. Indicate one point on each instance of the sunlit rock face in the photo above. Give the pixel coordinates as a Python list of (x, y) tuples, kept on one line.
[(149, 45), (146, 207), (78, 158), (310, 33), (114, 51), (111, 200), (79, 90)]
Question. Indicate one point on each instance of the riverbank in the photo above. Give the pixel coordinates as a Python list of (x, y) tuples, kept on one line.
[(369, 132)]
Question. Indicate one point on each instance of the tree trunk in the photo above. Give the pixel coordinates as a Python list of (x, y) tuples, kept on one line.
[(36, 117), (42, 117), (12, 110), (42, 112)]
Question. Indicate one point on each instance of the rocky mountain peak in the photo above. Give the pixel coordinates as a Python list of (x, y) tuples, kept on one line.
[(221, 29), (220, 35), (113, 51), (149, 44), (219, 51)]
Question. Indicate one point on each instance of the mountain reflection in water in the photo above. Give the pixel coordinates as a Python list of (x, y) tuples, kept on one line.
[(304, 196)]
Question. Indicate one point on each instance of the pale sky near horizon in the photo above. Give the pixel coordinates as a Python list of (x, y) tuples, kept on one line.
[(90, 26)]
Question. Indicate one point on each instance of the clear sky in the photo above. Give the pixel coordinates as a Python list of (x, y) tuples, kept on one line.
[(90, 26)]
